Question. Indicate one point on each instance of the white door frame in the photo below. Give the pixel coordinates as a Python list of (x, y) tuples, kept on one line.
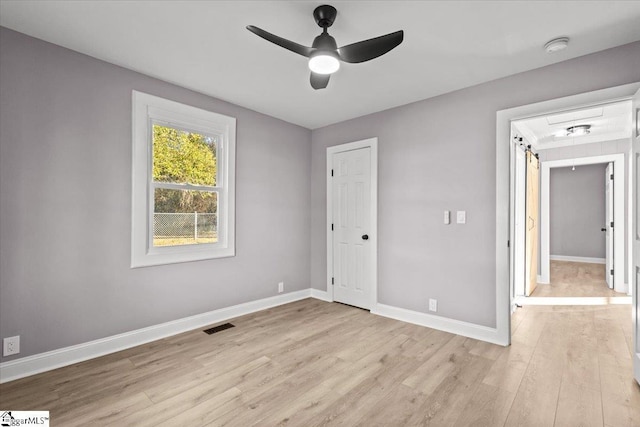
[(618, 213), (504, 188), (609, 236), (634, 248), (372, 143)]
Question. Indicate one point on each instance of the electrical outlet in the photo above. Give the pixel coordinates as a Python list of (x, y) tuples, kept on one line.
[(433, 304), (11, 346), (280, 287), (461, 217)]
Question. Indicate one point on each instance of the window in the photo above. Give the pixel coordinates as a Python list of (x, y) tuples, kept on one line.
[(183, 183)]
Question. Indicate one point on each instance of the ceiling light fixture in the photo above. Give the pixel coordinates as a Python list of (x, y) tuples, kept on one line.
[(324, 62), (556, 44), (578, 130)]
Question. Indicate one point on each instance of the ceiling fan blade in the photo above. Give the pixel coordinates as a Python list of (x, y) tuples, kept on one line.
[(370, 49), (287, 44), (319, 81)]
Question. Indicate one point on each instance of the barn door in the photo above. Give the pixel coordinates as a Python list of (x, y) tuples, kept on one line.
[(533, 191)]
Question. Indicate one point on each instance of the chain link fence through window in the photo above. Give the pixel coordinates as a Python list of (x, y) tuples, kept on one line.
[(172, 229)]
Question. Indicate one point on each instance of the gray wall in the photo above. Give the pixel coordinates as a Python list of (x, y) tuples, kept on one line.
[(440, 154), (65, 204), (577, 211)]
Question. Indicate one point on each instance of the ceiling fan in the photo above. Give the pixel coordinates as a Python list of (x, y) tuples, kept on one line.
[(324, 54)]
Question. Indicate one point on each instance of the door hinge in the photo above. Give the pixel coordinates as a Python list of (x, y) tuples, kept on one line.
[(611, 176), (612, 272), (331, 172), (508, 243), (611, 224), (332, 280), (331, 227)]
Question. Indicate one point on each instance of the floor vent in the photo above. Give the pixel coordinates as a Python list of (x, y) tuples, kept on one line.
[(219, 328)]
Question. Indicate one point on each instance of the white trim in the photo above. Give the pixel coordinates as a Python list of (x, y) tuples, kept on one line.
[(321, 295), (540, 281), (630, 188), (43, 362), (466, 329), (373, 235), (503, 194), (618, 215), (145, 110), (584, 259), (573, 300)]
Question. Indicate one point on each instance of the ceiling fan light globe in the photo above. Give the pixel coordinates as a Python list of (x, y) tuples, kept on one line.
[(324, 64)]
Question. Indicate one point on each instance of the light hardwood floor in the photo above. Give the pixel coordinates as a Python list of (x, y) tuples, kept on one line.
[(313, 363), (576, 279)]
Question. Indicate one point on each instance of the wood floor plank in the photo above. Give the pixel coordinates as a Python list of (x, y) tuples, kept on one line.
[(509, 369), (364, 398), (109, 409), (578, 406), (621, 413), (488, 407), (439, 366), (396, 410), (537, 397), (442, 406)]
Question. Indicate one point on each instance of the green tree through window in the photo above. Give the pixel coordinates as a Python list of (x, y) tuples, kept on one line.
[(182, 157)]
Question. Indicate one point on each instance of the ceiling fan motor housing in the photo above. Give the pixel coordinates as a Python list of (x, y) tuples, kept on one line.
[(325, 15), (324, 42)]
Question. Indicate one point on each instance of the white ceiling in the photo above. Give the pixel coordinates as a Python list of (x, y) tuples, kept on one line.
[(608, 122), (204, 46)]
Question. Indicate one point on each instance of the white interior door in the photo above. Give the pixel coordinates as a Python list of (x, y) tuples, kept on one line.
[(519, 222), (608, 221), (351, 193), (635, 280)]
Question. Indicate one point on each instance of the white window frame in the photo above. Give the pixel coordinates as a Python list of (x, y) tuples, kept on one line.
[(148, 109)]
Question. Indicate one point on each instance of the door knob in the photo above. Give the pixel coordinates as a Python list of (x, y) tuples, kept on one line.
[(603, 229), (365, 237)]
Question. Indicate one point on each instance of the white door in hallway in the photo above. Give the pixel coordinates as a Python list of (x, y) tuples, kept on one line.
[(351, 194), (635, 186), (608, 225)]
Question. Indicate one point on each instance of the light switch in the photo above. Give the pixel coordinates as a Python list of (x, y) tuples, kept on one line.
[(462, 217), (447, 217)]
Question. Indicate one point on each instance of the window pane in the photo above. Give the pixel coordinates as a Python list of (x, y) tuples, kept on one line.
[(184, 157), (184, 217)]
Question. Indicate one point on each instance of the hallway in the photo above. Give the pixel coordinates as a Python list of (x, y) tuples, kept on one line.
[(576, 279)]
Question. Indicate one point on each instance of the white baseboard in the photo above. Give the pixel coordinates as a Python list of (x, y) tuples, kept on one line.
[(43, 362), (540, 281), (577, 259), (458, 327), (321, 295)]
